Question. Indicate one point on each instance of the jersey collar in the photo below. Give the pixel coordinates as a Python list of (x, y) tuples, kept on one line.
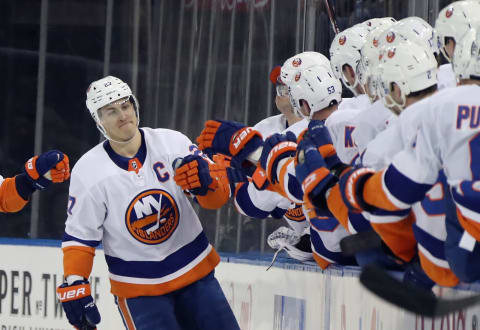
[(128, 164)]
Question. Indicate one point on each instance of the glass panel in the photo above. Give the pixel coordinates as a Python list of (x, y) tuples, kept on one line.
[(19, 38)]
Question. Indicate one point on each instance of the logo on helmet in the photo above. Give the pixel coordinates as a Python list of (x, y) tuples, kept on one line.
[(449, 12), (391, 53), (296, 62), (342, 40), (375, 42), (390, 37), (152, 216), (297, 76)]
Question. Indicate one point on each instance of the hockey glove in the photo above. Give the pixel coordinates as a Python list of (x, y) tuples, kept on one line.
[(193, 175), (229, 138), (319, 135), (51, 166), (78, 304), (312, 172), (276, 148), (351, 187)]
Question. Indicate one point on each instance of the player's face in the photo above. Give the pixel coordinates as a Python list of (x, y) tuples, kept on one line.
[(450, 47), (119, 119)]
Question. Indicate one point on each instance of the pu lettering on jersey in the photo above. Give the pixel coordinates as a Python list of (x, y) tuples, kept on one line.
[(468, 116), (152, 216)]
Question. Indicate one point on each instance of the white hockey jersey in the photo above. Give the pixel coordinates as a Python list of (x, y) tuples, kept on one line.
[(341, 126), (153, 240), (446, 77), (369, 123)]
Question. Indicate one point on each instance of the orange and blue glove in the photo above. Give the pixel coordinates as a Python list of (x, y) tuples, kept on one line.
[(193, 174), (275, 148), (51, 166), (318, 133), (78, 304), (312, 172), (229, 138)]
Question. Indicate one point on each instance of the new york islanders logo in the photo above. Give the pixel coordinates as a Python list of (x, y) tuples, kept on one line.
[(297, 76), (390, 37), (342, 40), (449, 12), (296, 62), (152, 216)]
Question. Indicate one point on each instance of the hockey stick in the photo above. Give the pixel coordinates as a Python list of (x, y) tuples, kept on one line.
[(331, 16), (359, 242), (413, 299)]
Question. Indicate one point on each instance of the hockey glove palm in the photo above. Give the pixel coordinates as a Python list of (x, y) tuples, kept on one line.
[(229, 138), (78, 304), (51, 166), (276, 148)]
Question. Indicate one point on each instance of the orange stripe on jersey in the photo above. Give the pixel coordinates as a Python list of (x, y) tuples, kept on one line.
[(320, 261), (398, 236), (471, 226), (373, 193), (130, 290), (282, 186), (122, 305), (78, 260), (337, 206), (10, 200), (441, 276)]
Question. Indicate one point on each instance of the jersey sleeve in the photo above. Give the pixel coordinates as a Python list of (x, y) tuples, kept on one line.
[(255, 203), (10, 199), (84, 227)]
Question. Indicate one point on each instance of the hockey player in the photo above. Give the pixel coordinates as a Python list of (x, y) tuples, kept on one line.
[(39, 172), (446, 134), (124, 194)]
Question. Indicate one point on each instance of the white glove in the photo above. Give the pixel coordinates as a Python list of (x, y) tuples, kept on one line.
[(285, 239)]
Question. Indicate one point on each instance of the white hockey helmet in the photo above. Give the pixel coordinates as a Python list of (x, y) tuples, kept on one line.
[(345, 50), (295, 64), (414, 29), (105, 91), (373, 23), (455, 20), (411, 66), (367, 68), (318, 87), (466, 57), (299, 63)]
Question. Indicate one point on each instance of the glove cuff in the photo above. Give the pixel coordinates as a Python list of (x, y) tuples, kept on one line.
[(25, 186)]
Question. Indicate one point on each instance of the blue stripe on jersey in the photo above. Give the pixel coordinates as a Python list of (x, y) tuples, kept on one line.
[(403, 188), (434, 245), (294, 187), (320, 248), (470, 197), (278, 213), (324, 224), (156, 269), (358, 222), (67, 238), (245, 203), (399, 213)]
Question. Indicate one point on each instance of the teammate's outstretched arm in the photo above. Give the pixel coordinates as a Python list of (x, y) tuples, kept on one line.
[(39, 172)]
